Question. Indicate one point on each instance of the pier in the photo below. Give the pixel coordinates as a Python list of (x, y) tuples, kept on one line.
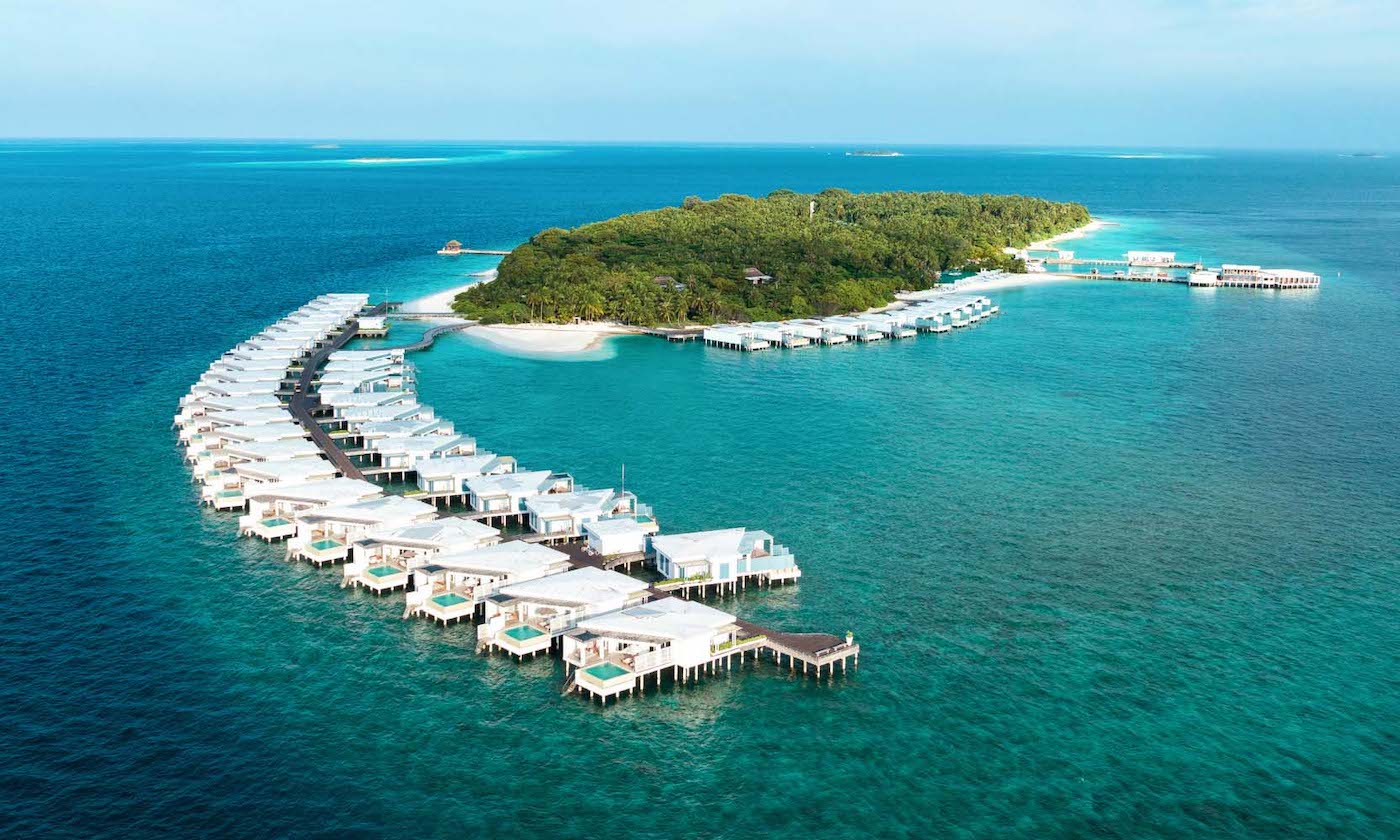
[(454, 248), (328, 511)]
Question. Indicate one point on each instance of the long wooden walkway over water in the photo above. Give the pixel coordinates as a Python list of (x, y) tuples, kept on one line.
[(815, 650)]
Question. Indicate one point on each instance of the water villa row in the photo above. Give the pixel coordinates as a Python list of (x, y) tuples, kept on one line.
[(289, 429), (930, 311), (1164, 267)]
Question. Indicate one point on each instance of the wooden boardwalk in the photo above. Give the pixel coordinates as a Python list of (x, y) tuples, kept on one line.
[(819, 650)]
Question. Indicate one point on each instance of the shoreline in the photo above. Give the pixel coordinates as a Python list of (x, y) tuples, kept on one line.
[(439, 303), (1080, 232), (550, 339)]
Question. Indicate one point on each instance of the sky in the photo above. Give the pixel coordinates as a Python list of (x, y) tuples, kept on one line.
[(1254, 74)]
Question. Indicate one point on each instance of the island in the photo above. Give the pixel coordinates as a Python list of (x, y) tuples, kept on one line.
[(786, 255)]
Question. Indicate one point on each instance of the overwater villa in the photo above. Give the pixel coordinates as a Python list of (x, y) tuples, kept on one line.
[(857, 329), (404, 453), (779, 334), (339, 401), (728, 556), (408, 409), (828, 334), (452, 586), (448, 476), (272, 512), (363, 381), (370, 326), (324, 535), (619, 536), (563, 515), (381, 560), (613, 653), (225, 490), (507, 493), (525, 618), (376, 429), (734, 337)]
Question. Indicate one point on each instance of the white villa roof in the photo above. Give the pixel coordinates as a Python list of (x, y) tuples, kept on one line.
[(250, 402), (274, 450), (330, 491), (251, 416), (404, 428), (664, 618), (379, 509), (267, 431), (515, 559), (420, 444), (580, 502), (580, 587), (520, 482), (440, 532), (617, 526), (296, 470), (347, 399), (699, 545), (369, 413), (451, 466)]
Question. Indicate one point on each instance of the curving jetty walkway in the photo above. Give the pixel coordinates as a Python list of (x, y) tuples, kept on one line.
[(816, 650)]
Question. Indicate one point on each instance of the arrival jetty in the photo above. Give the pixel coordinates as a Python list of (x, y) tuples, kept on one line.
[(294, 433)]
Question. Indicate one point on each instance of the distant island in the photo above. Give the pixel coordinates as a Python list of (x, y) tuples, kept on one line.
[(788, 255), (874, 153)]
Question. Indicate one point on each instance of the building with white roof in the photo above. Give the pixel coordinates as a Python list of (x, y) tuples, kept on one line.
[(377, 429), (225, 491), (324, 535), (272, 511), (619, 535), (525, 618), (449, 475), (382, 559), (404, 453), (613, 652), (506, 493), (721, 556), (563, 515), (451, 586)]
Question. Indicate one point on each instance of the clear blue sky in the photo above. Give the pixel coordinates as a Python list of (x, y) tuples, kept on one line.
[(1271, 73)]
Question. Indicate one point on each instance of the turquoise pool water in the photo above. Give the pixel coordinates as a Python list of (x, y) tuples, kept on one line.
[(275, 522), (384, 571), (448, 599), (323, 545), (523, 633), (606, 671)]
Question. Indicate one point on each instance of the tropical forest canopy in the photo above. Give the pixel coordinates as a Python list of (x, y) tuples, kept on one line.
[(688, 263)]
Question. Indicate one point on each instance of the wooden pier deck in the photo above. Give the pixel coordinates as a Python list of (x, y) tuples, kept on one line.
[(675, 333)]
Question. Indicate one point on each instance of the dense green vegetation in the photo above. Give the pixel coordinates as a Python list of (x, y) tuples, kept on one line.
[(687, 263)]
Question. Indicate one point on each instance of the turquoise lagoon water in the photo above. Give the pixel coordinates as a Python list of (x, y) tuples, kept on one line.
[(1122, 561)]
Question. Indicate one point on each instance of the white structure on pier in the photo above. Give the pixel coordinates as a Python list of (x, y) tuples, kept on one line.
[(382, 560), (525, 618), (450, 587)]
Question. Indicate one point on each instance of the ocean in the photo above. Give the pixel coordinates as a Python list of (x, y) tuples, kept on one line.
[(1122, 561)]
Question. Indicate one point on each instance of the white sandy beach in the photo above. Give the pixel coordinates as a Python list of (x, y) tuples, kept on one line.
[(550, 338), (442, 301), (1077, 233)]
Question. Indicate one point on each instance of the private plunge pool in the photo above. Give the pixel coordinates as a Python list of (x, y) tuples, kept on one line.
[(605, 671), (523, 633)]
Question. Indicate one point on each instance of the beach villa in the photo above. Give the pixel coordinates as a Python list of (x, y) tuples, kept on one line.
[(324, 535), (613, 652), (525, 618), (272, 511), (382, 559), (722, 556), (507, 493), (451, 587)]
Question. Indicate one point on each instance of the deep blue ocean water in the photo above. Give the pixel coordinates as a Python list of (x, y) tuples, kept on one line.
[(1123, 562)]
